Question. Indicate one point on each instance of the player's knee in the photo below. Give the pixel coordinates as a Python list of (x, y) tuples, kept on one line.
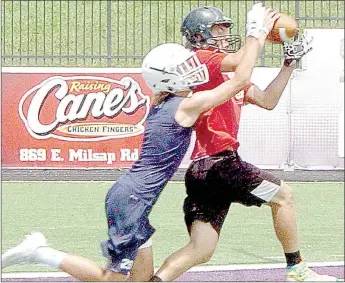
[(285, 195), (203, 253), (206, 257)]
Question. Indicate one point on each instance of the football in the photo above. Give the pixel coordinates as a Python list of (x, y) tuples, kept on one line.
[(284, 29)]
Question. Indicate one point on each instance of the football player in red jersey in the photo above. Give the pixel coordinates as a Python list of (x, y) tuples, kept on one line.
[(218, 176)]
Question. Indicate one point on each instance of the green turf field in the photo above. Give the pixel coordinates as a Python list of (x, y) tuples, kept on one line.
[(71, 215)]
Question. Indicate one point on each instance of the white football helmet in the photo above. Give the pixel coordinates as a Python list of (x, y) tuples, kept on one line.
[(170, 67)]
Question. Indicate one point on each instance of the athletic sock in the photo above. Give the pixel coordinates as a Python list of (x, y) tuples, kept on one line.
[(49, 256), (155, 278), (293, 258)]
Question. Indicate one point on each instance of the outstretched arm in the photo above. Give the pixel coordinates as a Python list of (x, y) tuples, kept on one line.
[(269, 98)]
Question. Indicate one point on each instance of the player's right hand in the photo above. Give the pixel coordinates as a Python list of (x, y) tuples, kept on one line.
[(260, 20), (270, 17)]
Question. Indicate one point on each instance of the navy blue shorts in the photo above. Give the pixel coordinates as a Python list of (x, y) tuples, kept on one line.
[(129, 227)]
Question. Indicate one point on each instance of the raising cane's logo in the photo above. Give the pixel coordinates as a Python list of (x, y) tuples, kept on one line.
[(84, 108)]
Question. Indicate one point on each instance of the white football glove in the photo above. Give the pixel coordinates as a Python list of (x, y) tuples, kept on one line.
[(255, 21), (293, 52)]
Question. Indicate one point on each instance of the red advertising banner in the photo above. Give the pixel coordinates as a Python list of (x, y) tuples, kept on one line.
[(72, 117)]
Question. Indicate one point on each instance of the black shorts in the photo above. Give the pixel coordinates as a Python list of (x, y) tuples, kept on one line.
[(214, 182)]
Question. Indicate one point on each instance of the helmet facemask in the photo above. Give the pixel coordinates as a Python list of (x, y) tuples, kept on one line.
[(183, 73), (191, 72), (232, 41)]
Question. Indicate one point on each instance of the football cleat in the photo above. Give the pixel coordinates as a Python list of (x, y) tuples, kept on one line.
[(25, 252), (301, 272)]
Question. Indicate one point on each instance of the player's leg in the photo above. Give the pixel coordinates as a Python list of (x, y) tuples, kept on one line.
[(204, 217), (202, 244), (258, 187), (285, 226), (128, 229), (252, 186), (284, 219), (143, 267), (84, 270), (34, 249)]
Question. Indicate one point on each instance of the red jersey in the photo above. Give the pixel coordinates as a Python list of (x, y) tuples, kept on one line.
[(217, 129)]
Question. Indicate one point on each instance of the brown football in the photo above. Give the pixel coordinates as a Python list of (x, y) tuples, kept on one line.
[(284, 29)]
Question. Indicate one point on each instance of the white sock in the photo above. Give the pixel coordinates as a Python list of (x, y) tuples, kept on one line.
[(49, 256)]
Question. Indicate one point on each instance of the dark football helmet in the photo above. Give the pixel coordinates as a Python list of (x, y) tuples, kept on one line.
[(196, 29)]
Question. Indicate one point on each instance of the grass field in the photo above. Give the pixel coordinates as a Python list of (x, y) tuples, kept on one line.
[(71, 215), (119, 33)]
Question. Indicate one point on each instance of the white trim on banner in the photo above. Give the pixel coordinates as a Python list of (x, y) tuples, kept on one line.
[(42, 70)]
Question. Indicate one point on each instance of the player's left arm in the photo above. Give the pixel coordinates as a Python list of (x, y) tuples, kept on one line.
[(269, 98)]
